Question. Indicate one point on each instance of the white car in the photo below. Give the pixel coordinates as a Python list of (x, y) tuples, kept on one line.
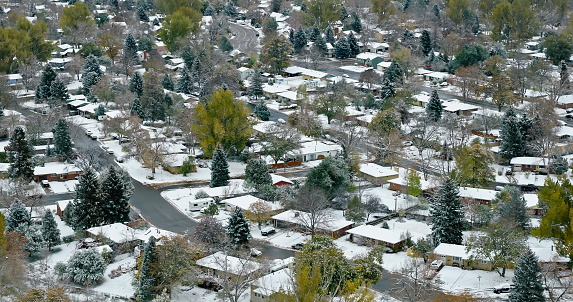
[(255, 252), (437, 264)]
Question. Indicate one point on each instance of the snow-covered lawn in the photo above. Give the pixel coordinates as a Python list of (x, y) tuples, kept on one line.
[(395, 262), (388, 198), (349, 248), (353, 68), (119, 286), (457, 280), (61, 187)]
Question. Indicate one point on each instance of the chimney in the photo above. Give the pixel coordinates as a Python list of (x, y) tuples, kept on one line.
[(296, 214)]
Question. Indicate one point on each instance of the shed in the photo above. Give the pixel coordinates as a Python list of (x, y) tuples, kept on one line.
[(377, 174), (369, 59)]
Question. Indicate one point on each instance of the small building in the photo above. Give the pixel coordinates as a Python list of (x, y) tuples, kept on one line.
[(56, 171), (459, 108), (377, 174), (267, 285), (528, 164), (565, 101), (176, 161), (369, 59), (59, 63), (458, 256), (279, 180), (116, 233), (246, 73), (314, 150), (377, 47), (296, 220), (245, 201), (476, 195), (307, 74), (369, 234), (221, 265), (61, 206)]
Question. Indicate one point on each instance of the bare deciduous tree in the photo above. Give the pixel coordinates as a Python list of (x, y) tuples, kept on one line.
[(315, 205)]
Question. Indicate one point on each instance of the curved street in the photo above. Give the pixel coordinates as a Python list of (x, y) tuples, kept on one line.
[(244, 38)]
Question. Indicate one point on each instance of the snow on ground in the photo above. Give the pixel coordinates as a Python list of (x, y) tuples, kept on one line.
[(394, 262), (119, 286), (285, 238), (62, 187), (387, 197), (349, 248), (353, 68), (417, 229), (457, 280), (61, 253)]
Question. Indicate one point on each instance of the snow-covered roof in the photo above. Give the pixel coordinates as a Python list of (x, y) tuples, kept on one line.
[(273, 282), (116, 232), (244, 202), (276, 88), (4, 167), (454, 250), (293, 216), (548, 255), (564, 131), (377, 233), (305, 71), (375, 170), (266, 127), (291, 95), (531, 200), (368, 56), (455, 105), (63, 203), (55, 168), (317, 147), (225, 263), (78, 103), (278, 178), (528, 160), (565, 99), (242, 68), (155, 232), (483, 194)]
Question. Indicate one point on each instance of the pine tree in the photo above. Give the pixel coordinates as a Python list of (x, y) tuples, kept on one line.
[(329, 35), (355, 210), (184, 83), (527, 279), (17, 216), (262, 111), (314, 33), (299, 40), (512, 206), (353, 43), (137, 109), (405, 4), (62, 139), (342, 49), (219, 169), (436, 11), (356, 24), (142, 15), (136, 84), (91, 64), (291, 36), (34, 239), (209, 11), (512, 143), (231, 9), (50, 231), (320, 46), (3, 242), (99, 111), (276, 5), (20, 156), (434, 108), (256, 89), (447, 215), (146, 279), (47, 78), (130, 48), (115, 195), (225, 45), (387, 90), (87, 208), (257, 173), (238, 227), (344, 14), (558, 164), (394, 73), (426, 42), (167, 83), (59, 91)]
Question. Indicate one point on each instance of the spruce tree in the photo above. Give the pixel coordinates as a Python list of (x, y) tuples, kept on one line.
[(257, 173), (130, 48), (527, 279), (87, 205), (59, 91), (17, 216), (434, 108), (167, 83), (356, 24), (184, 83), (299, 40), (34, 240), (20, 156), (146, 279), (62, 139), (355, 210), (342, 49), (43, 91), (314, 33), (353, 43), (136, 84), (329, 35), (219, 169), (225, 45), (394, 73), (512, 206), (436, 11), (231, 9), (256, 89), (262, 111), (387, 90), (320, 46), (91, 64), (50, 231), (142, 15), (99, 111), (512, 143), (558, 164), (447, 215), (238, 227), (291, 36), (276, 5), (426, 42), (115, 195), (405, 4), (137, 109)]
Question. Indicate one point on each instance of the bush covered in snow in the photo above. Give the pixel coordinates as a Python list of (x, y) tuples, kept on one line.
[(84, 267)]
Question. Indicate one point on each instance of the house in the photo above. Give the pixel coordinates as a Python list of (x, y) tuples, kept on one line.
[(272, 91), (267, 285), (14, 79), (377, 47), (56, 171), (307, 74), (221, 265), (61, 206), (244, 203), (456, 255), (369, 59), (565, 101), (549, 255), (176, 161), (59, 63), (333, 227), (401, 183), (369, 234), (377, 174), (476, 195), (278, 180), (314, 150), (116, 233), (246, 73), (436, 76), (528, 164), (458, 108)]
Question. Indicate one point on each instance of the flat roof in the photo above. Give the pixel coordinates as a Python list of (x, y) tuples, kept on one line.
[(375, 170), (377, 233)]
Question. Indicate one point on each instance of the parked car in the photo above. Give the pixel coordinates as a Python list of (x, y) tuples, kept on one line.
[(503, 288), (255, 252), (437, 264), (45, 183), (109, 151), (297, 246), (268, 231)]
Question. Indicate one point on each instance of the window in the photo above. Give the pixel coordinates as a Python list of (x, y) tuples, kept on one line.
[(484, 262), (312, 156), (457, 258), (194, 204), (54, 175), (528, 166)]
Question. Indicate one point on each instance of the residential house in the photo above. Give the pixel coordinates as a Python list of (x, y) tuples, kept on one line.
[(14, 79), (115, 233), (56, 171), (307, 74), (458, 108), (245, 201), (369, 59), (373, 235), (61, 206), (221, 265), (59, 63), (458, 256), (272, 91), (267, 285), (476, 195), (279, 180), (176, 161), (377, 174), (377, 47), (314, 150), (246, 73), (528, 164), (400, 184), (333, 227)]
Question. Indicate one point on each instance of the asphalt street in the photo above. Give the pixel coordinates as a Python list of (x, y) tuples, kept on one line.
[(245, 38)]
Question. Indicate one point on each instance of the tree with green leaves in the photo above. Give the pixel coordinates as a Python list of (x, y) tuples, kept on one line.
[(447, 214), (116, 190), (238, 227), (153, 98), (257, 173), (262, 111), (383, 9), (256, 88), (224, 44), (184, 85), (426, 42), (87, 204), (356, 24), (280, 141), (147, 282), (136, 84), (20, 153), (470, 55), (333, 103), (558, 164), (414, 183), (558, 48), (299, 40), (219, 169), (275, 54), (527, 279), (17, 216), (58, 91), (434, 108), (321, 12), (62, 139), (353, 44), (332, 176), (76, 20), (355, 210), (178, 25), (137, 109), (511, 206), (342, 49), (394, 73), (50, 231), (85, 267), (212, 210), (514, 22), (473, 166), (130, 48)]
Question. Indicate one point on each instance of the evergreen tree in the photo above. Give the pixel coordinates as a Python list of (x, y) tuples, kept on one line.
[(238, 227), (209, 11), (62, 139), (115, 195), (256, 88), (314, 33), (512, 144), (87, 205), (130, 48), (291, 36), (299, 40), (142, 15), (329, 35), (558, 164), (436, 11), (219, 169), (262, 111), (344, 14), (387, 90), (405, 4), (394, 73), (146, 279), (353, 43), (99, 111), (137, 109), (17, 216), (355, 210), (43, 91), (434, 108), (91, 64), (447, 215), (225, 45), (59, 91), (3, 242), (20, 156), (342, 48), (34, 239), (512, 206), (527, 279), (167, 83), (320, 46), (184, 84), (257, 173), (356, 24), (50, 231), (136, 84), (276, 5), (426, 42), (84, 267), (231, 9)]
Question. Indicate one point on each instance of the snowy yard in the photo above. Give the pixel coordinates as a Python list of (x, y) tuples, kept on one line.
[(457, 280), (353, 68), (62, 187)]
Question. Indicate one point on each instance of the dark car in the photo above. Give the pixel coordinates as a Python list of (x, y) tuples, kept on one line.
[(297, 246), (268, 231)]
